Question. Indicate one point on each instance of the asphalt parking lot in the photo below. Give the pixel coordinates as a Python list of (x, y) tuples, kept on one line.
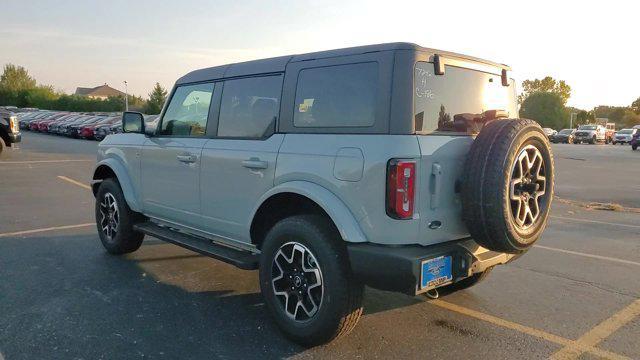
[(575, 295)]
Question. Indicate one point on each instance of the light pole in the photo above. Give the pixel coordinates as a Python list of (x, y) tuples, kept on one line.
[(571, 120), (126, 98)]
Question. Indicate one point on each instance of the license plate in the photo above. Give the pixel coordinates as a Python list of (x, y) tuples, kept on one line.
[(436, 272)]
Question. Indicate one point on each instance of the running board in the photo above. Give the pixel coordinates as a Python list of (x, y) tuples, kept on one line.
[(242, 259)]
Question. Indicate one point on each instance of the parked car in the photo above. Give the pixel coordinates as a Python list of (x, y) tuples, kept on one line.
[(624, 136), (365, 189), (35, 125), (9, 129), (591, 133), (635, 140), (64, 128), (609, 132), (24, 123), (549, 132), (88, 131), (74, 129), (564, 136)]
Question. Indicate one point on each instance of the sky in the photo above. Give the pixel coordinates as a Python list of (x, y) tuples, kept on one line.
[(592, 45)]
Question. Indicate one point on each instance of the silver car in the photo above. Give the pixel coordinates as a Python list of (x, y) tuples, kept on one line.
[(395, 166)]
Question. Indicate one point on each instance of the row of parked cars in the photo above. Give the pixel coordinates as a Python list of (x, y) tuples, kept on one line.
[(95, 126), (594, 133)]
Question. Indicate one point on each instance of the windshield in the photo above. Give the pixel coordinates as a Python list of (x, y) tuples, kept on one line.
[(459, 96), (625, 131), (587, 127), (566, 131)]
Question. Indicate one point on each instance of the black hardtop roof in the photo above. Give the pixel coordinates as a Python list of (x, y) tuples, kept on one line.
[(278, 64)]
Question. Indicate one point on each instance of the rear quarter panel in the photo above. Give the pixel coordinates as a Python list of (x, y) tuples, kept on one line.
[(313, 158)]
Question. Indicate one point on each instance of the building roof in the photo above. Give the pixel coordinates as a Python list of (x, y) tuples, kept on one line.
[(278, 64), (102, 90)]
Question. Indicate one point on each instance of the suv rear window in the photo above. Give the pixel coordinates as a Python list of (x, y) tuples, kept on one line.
[(438, 99), (337, 96)]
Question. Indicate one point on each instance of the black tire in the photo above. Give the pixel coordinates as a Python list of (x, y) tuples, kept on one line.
[(464, 283), (340, 299), (593, 140), (634, 147), (500, 215), (3, 146), (122, 238)]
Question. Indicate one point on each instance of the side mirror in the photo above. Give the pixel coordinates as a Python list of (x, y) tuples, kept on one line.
[(132, 122)]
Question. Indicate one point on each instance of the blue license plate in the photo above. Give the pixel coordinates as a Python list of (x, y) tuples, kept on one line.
[(436, 272)]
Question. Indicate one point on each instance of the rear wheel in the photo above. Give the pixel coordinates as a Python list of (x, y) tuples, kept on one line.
[(2, 145), (306, 280), (508, 185), (115, 220)]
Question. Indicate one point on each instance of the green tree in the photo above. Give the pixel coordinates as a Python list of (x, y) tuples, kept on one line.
[(546, 108), (547, 85), (630, 119), (15, 79), (635, 106), (157, 97)]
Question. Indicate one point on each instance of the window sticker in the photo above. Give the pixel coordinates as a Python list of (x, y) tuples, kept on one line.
[(422, 89), (306, 105)]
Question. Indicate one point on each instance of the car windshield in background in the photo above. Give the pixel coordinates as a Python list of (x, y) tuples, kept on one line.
[(625, 131), (438, 99), (587, 127), (566, 131)]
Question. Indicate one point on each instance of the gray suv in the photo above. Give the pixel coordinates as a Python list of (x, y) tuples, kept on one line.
[(394, 166)]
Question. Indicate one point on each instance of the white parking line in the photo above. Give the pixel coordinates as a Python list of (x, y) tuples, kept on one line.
[(594, 221), (599, 257), (43, 161), (33, 231)]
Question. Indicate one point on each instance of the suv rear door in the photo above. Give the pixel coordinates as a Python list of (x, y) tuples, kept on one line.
[(238, 164), (460, 93), (170, 165)]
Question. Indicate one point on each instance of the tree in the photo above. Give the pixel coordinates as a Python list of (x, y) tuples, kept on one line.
[(157, 97), (547, 85), (630, 119), (635, 106), (547, 108), (15, 79)]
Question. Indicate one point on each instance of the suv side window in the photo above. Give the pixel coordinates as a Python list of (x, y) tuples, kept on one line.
[(250, 107), (337, 96), (188, 110)]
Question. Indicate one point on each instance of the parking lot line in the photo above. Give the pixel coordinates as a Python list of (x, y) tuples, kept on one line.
[(593, 221), (577, 345), (600, 257), (33, 231), (43, 161), (594, 336), (75, 182)]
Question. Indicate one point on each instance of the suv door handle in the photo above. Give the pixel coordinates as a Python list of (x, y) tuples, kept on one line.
[(255, 163), (189, 158)]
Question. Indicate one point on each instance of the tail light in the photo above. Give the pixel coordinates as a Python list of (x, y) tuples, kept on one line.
[(401, 179)]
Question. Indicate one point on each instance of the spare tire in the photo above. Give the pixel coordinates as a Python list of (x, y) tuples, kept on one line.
[(507, 185)]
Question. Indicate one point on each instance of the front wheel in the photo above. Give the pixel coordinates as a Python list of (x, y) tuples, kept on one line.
[(306, 280), (634, 147), (2, 146), (115, 220)]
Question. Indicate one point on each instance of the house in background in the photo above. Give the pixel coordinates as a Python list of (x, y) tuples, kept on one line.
[(101, 92)]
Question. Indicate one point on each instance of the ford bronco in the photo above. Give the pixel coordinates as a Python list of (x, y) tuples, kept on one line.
[(395, 166)]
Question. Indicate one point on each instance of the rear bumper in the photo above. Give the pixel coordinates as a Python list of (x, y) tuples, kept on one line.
[(398, 268)]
